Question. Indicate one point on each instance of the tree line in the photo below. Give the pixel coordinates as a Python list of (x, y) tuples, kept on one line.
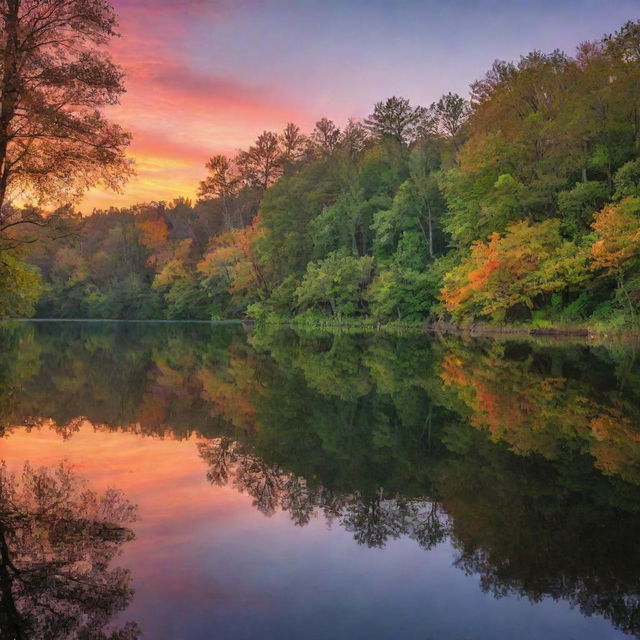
[(518, 204)]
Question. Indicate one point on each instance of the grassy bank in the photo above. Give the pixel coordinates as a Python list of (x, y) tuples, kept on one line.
[(583, 331)]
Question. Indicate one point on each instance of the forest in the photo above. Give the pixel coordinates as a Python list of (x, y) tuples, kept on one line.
[(519, 204)]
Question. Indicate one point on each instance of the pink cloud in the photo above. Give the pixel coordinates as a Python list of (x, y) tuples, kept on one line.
[(178, 115)]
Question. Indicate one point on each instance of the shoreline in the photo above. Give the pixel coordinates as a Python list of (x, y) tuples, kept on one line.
[(472, 330)]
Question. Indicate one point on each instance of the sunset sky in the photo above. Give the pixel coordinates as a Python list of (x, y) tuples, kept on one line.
[(206, 76)]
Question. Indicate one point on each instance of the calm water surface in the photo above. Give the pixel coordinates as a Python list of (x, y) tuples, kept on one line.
[(216, 482)]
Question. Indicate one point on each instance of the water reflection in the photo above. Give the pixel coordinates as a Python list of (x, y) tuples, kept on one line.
[(373, 519), (57, 542), (525, 456)]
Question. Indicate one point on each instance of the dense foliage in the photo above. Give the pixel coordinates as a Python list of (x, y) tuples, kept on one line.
[(521, 204)]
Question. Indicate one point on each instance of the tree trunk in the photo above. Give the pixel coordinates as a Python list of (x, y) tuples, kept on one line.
[(9, 616), (10, 90), (428, 237), (632, 311), (354, 240), (430, 226)]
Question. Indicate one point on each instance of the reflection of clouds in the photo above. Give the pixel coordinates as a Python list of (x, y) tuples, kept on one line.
[(142, 467), (178, 512), (525, 526)]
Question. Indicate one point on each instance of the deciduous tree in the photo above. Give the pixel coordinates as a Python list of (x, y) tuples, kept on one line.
[(55, 78), (396, 118), (261, 165)]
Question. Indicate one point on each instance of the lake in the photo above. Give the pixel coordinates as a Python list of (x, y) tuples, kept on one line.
[(195, 481)]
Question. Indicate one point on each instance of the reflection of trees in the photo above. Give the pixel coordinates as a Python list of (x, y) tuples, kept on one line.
[(526, 525), (538, 528), (545, 400), (598, 593), (270, 488), (57, 541), (526, 455), (134, 377), (373, 519), (19, 359)]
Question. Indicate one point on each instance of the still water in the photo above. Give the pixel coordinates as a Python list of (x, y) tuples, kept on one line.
[(217, 482)]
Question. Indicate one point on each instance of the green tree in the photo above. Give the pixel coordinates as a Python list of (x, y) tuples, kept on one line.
[(395, 118), (336, 281), (20, 287)]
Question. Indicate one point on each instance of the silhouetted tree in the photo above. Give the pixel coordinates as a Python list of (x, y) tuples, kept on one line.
[(57, 540), (450, 113), (326, 136), (222, 182), (54, 80), (396, 118), (293, 144), (261, 165)]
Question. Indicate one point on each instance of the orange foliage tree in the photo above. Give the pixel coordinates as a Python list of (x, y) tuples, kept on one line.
[(514, 269), (232, 259), (153, 232), (154, 235), (616, 249)]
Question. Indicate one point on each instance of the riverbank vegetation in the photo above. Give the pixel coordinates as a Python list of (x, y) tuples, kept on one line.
[(520, 205)]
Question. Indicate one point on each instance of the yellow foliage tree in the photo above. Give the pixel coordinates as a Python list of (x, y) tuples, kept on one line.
[(616, 249), (233, 260), (527, 262)]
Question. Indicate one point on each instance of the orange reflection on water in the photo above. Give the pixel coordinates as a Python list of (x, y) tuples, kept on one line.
[(165, 477), (183, 519)]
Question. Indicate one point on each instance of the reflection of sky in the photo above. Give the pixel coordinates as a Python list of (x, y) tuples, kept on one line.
[(206, 564), (206, 76)]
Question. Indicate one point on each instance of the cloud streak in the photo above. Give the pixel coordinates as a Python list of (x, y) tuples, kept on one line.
[(207, 76), (180, 115)]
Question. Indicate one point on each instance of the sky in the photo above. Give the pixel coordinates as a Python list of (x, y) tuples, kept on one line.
[(207, 76)]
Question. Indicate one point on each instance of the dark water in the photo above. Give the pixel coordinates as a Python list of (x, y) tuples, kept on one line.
[(303, 485)]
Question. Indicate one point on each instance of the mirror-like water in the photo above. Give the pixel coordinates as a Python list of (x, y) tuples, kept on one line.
[(197, 482)]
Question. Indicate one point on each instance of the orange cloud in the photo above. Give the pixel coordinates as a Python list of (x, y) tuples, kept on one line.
[(142, 467), (179, 116)]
